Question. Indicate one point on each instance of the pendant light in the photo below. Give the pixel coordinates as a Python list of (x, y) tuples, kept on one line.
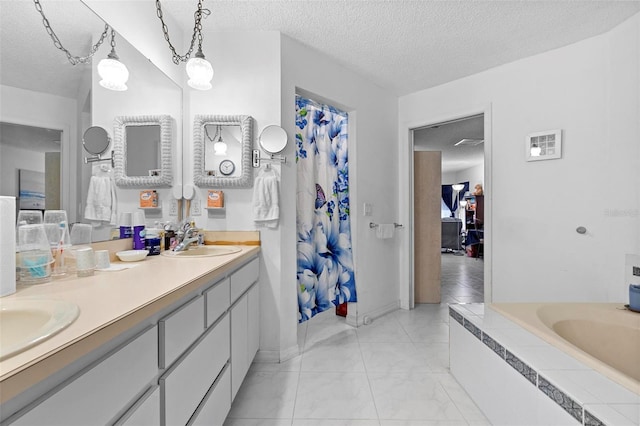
[(199, 70), (219, 147), (113, 73)]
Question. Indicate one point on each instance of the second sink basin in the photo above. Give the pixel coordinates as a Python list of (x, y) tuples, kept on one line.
[(27, 322), (203, 251)]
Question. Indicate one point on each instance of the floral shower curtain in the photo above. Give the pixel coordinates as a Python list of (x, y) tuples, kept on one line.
[(325, 274)]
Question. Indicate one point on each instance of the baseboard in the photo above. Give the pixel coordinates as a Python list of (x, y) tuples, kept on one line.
[(275, 357), (363, 318)]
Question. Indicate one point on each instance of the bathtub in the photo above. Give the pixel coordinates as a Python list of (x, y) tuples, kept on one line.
[(548, 363), (604, 336)]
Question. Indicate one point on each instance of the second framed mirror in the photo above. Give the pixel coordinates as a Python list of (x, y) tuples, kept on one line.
[(222, 151)]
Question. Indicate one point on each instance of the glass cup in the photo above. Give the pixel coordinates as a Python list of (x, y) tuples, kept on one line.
[(80, 234), (33, 254), (29, 217), (57, 229)]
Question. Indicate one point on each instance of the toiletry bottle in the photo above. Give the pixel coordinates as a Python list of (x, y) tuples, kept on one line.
[(139, 232)]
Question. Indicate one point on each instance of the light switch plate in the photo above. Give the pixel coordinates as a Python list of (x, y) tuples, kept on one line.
[(173, 207), (368, 209), (196, 207)]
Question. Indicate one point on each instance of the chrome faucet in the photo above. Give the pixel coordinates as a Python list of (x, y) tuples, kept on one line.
[(187, 234)]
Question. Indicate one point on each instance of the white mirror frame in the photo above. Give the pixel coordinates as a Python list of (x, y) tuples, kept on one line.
[(165, 179), (200, 178)]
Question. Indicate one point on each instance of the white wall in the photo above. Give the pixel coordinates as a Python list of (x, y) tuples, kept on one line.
[(474, 175), (246, 82), (150, 92), (372, 168), (590, 90), (31, 108)]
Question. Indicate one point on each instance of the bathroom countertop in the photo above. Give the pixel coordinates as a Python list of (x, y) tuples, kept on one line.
[(110, 303)]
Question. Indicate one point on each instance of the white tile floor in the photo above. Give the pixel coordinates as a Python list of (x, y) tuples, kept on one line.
[(393, 372)]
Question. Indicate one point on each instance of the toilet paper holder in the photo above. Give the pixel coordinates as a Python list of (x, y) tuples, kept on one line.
[(375, 225)]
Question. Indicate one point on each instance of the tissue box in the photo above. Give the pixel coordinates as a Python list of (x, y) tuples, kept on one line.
[(148, 199), (634, 297), (215, 199)]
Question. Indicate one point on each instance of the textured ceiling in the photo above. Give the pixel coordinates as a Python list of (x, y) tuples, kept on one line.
[(407, 46), (401, 45)]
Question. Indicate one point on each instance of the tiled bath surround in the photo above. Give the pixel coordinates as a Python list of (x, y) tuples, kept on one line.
[(491, 355)]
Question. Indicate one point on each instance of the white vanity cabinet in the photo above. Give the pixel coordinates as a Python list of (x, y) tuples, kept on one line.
[(186, 384), (181, 366), (96, 395), (244, 322), (145, 412)]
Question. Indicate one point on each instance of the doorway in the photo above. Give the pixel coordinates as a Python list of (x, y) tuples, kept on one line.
[(457, 273)]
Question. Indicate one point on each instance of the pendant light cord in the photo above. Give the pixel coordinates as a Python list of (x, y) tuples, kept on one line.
[(73, 59), (197, 32)]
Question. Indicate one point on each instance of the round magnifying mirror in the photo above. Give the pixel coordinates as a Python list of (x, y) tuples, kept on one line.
[(273, 139), (95, 140)]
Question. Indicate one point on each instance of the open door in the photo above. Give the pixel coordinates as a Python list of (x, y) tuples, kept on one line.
[(427, 225)]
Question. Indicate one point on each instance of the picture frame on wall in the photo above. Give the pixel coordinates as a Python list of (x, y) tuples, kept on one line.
[(31, 190)]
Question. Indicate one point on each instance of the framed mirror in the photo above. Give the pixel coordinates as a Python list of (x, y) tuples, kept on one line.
[(222, 151), (142, 151)]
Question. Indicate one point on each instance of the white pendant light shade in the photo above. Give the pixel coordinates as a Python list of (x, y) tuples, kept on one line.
[(457, 187), (200, 72), (113, 73), (220, 148)]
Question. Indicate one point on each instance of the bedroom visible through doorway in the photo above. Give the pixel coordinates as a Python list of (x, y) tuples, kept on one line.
[(461, 145)]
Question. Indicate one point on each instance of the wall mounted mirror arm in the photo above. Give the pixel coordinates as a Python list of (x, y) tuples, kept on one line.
[(274, 158)]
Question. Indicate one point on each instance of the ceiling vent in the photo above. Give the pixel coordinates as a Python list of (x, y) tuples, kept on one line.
[(469, 142)]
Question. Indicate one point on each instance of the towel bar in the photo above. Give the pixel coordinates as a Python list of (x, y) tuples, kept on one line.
[(395, 225)]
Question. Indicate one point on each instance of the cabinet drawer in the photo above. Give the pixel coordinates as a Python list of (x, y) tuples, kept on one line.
[(243, 278), (145, 412), (105, 389), (216, 406), (217, 300), (179, 330), (186, 384)]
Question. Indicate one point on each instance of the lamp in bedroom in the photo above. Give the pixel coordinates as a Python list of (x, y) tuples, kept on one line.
[(457, 187)]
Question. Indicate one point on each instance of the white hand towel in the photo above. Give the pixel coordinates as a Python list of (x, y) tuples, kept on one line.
[(266, 210), (101, 203), (385, 230)]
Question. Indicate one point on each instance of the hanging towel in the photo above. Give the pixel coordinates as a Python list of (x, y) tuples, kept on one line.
[(266, 211), (101, 200), (385, 230)]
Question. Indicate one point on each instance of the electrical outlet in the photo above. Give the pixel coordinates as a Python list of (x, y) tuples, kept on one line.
[(636, 271), (173, 207), (196, 207)]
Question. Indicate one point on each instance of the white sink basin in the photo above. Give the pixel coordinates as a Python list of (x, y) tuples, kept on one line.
[(203, 251), (25, 323)]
